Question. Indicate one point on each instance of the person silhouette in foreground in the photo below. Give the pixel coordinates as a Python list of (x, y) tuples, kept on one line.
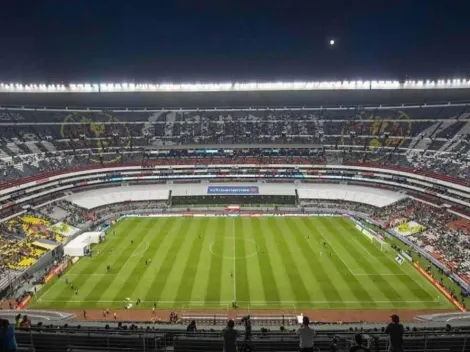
[(395, 331), (230, 337), (359, 346), (306, 335), (7, 336), (192, 326)]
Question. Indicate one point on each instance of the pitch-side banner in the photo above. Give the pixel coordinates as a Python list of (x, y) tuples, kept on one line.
[(233, 190)]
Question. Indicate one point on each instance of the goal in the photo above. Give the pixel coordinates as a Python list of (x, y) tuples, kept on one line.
[(383, 246)]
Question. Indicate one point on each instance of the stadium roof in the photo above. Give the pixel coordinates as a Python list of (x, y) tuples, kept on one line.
[(225, 95)]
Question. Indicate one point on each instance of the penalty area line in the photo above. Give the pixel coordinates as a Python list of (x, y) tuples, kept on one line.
[(82, 274), (387, 274)]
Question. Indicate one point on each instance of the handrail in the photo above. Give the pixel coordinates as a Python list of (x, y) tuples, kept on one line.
[(179, 330)]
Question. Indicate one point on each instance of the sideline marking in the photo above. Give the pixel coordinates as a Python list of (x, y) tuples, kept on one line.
[(382, 254), (387, 274), (362, 274), (109, 242), (202, 303), (84, 274), (67, 273)]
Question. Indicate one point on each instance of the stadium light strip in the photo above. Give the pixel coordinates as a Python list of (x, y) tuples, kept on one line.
[(231, 87)]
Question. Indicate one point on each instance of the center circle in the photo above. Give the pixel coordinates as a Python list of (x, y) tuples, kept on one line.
[(251, 247)]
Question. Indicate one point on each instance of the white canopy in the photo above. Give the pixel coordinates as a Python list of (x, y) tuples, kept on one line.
[(81, 244), (94, 237), (90, 200), (359, 194)]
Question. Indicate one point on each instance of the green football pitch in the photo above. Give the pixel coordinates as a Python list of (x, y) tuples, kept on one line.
[(261, 263)]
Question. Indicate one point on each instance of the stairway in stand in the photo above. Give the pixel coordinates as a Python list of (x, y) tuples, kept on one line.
[(49, 146)]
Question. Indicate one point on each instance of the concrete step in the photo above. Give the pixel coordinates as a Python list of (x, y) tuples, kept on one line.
[(49, 146)]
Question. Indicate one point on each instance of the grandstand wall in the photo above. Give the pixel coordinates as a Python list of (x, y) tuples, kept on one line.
[(186, 168), (45, 184)]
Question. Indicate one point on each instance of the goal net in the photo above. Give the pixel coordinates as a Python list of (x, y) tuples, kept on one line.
[(383, 246)]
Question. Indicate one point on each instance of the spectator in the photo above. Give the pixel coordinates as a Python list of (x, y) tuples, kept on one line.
[(306, 335), (18, 320), (230, 337), (359, 344), (7, 336), (192, 326), (395, 331), (25, 323)]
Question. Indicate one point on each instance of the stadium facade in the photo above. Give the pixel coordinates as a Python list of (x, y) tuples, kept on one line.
[(393, 156)]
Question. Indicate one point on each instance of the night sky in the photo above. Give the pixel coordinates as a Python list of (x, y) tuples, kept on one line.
[(197, 40)]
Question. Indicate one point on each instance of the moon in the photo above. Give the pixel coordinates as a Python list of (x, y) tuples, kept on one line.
[(332, 42)]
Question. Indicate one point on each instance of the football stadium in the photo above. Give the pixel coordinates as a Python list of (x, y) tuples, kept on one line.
[(130, 213)]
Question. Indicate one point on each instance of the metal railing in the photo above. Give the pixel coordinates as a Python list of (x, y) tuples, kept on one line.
[(138, 338)]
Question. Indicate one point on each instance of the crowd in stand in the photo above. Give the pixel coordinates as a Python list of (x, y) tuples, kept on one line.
[(14, 251), (20, 240), (104, 210), (338, 204), (340, 137), (76, 216), (456, 164), (449, 165), (18, 236), (354, 134), (443, 234)]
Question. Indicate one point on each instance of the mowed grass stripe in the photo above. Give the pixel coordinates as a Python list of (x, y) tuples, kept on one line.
[(242, 282), (190, 269), (202, 274), (371, 251), (80, 276), (351, 283), (179, 262), (269, 286), (110, 285), (381, 283), (58, 290), (296, 280), (91, 286), (402, 280), (216, 265), (407, 280), (324, 258), (132, 284), (316, 266), (339, 240), (102, 251), (265, 273), (161, 276), (280, 271), (162, 243), (255, 276), (227, 282)]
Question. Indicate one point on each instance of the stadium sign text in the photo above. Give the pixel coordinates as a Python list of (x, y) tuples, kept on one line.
[(232, 190)]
